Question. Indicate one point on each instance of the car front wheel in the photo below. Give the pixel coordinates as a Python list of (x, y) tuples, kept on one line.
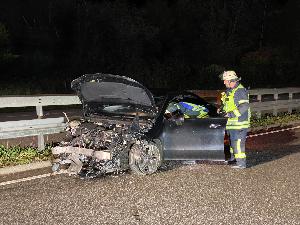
[(145, 158)]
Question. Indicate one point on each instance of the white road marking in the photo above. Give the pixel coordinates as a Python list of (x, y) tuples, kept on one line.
[(272, 132), (28, 178)]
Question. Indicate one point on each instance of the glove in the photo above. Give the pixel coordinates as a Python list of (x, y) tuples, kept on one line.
[(223, 96), (226, 115)]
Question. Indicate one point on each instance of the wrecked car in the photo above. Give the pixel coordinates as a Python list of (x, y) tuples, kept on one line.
[(123, 128)]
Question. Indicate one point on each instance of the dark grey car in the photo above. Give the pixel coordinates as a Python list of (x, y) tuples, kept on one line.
[(123, 127)]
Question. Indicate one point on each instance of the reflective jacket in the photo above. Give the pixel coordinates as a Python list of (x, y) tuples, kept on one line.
[(236, 105)]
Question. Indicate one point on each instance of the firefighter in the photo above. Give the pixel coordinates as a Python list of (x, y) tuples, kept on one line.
[(235, 104), (188, 110)]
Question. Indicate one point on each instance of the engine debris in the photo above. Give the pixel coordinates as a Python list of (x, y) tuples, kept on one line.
[(98, 146)]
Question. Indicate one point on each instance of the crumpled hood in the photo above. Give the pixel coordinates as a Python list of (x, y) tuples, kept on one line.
[(109, 94)]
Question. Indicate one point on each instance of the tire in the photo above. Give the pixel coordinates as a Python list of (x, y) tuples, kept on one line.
[(159, 145), (145, 158)]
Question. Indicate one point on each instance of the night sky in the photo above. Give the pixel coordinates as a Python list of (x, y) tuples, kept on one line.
[(180, 44)]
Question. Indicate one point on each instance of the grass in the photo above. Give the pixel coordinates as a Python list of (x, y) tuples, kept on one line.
[(22, 155), (281, 119)]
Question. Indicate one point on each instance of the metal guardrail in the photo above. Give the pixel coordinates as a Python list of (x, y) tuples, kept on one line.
[(36, 127), (38, 101), (274, 104), (274, 91), (258, 105), (39, 127)]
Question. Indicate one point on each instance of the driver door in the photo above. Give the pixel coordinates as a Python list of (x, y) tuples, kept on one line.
[(194, 139)]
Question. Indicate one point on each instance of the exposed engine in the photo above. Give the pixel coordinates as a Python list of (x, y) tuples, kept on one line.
[(98, 146)]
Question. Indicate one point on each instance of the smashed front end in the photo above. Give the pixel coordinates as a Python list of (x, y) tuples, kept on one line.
[(98, 146), (111, 136)]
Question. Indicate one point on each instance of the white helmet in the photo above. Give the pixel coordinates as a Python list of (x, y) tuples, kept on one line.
[(229, 75)]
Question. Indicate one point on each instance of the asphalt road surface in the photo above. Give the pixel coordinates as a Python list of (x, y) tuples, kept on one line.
[(268, 192)]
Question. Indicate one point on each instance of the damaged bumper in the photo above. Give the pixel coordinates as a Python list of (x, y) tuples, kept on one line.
[(74, 157)]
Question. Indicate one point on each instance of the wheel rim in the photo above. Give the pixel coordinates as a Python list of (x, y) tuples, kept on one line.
[(147, 159)]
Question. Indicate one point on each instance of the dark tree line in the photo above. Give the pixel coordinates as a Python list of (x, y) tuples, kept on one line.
[(181, 44)]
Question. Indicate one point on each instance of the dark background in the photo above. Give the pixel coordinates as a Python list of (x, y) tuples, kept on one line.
[(180, 44)]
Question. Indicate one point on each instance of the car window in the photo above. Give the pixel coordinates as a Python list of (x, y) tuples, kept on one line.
[(209, 110)]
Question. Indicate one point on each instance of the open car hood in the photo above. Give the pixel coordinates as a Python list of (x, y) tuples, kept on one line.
[(113, 95)]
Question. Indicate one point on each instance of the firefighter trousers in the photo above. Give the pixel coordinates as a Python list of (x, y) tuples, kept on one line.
[(238, 145)]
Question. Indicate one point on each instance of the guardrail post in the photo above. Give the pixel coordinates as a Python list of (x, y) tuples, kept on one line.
[(290, 110), (39, 111), (275, 110), (259, 97), (41, 142)]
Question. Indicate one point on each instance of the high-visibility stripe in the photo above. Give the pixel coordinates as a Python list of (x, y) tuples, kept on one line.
[(245, 124), (234, 122), (202, 115), (236, 113), (238, 145), (243, 101), (241, 155), (237, 127), (231, 150)]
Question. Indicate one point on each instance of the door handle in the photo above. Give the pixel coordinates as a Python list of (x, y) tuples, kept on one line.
[(214, 126)]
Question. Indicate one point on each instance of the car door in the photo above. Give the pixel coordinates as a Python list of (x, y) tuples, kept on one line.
[(194, 139)]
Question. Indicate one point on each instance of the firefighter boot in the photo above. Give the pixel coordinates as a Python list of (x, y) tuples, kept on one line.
[(230, 161), (240, 164)]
